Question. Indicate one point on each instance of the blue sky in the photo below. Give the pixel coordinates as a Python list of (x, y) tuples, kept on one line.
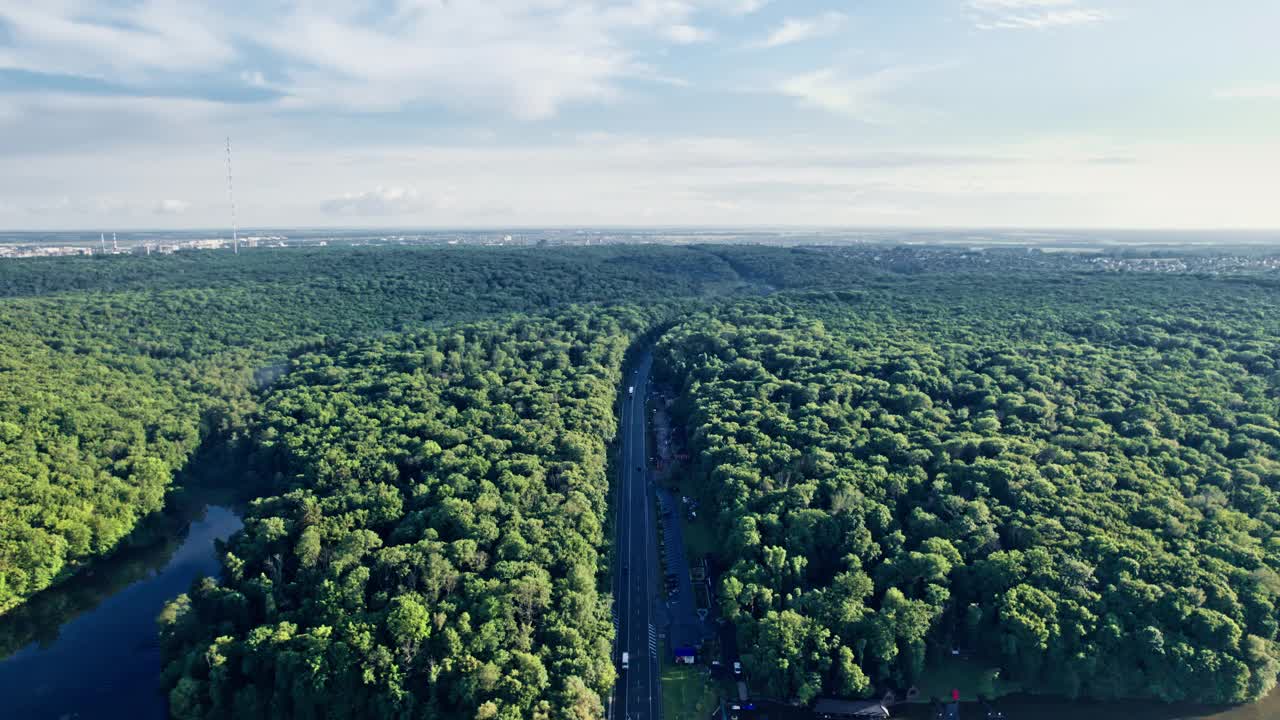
[(1044, 113)]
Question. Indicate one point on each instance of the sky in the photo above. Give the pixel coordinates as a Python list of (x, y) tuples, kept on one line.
[(505, 113)]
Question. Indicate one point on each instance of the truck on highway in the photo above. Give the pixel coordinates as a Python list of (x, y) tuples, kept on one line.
[(626, 660)]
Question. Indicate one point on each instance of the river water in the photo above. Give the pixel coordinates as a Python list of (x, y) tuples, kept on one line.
[(87, 649)]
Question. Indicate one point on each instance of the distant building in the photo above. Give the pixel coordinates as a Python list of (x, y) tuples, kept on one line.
[(211, 244), (685, 655)]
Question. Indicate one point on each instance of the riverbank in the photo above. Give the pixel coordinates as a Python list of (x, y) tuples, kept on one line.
[(40, 618), (220, 472), (88, 648)]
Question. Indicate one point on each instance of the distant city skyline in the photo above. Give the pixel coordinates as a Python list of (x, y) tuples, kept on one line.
[(733, 113)]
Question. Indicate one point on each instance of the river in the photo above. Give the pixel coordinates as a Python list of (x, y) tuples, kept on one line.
[(87, 649)]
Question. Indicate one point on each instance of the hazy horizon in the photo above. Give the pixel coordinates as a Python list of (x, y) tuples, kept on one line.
[(1076, 239), (218, 231)]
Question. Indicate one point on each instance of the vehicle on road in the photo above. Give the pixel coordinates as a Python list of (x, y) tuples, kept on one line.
[(737, 669), (631, 390), (626, 660)]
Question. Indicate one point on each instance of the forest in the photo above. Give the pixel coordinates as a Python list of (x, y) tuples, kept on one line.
[(116, 369), (907, 452), (433, 550), (1077, 479)]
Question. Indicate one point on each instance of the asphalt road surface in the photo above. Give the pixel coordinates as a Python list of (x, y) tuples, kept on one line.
[(636, 695)]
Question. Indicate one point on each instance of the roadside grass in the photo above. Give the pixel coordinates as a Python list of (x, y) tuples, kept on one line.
[(698, 539), (971, 677), (687, 693)]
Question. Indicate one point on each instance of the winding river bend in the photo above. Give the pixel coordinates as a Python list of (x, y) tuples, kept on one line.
[(87, 649)]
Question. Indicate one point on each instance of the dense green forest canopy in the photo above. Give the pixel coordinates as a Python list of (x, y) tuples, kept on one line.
[(1068, 473), (433, 549), (496, 276), (1077, 478), (116, 368)]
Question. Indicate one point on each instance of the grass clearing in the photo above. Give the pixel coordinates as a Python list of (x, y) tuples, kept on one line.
[(698, 539), (688, 693), (971, 677)]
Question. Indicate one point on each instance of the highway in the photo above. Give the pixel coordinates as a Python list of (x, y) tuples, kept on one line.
[(635, 580)]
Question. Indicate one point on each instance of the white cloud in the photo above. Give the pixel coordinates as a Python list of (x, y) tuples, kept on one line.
[(861, 97), (795, 30), (120, 42), (1033, 14), (526, 58), (686, 34), (52, 123), (172, 207), (746, 7), (669, 80), (78, 209), (56, 205), (254, 78), (613, 179), (68, 207), (378, 201), (1250, 92), (91, 160), (1006, 5)]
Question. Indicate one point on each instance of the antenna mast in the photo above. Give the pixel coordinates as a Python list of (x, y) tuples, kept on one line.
[(231, 195)]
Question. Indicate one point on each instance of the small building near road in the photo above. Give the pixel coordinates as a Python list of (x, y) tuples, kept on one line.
[(685, 655), (829, 709)]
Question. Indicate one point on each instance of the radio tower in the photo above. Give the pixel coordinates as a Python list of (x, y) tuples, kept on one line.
[(235, 233)]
